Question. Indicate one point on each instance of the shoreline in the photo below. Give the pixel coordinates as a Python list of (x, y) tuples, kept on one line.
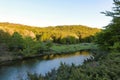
[(52, 51)]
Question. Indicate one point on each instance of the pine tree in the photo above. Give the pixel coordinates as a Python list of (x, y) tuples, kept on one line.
[(110, 37)]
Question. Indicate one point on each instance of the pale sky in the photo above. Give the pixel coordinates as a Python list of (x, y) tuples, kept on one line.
[(55, 12)]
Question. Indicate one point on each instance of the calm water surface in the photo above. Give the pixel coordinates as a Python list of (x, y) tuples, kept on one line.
[(19, 69)]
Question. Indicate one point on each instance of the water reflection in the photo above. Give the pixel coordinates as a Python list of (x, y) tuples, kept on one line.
[(41, 65), (55, 56)]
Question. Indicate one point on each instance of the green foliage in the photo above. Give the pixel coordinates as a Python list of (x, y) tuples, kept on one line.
[(71, 40), (116, 46), (54, 33), (45, 47), (38, 37), (32, 47), (108, 68), (63, 41), (45, 37), (68, 40), (72, 47), (104, 40), (16, 42), (110, 37), (88, 39), (49, 44), (4, 37), (29, 46)]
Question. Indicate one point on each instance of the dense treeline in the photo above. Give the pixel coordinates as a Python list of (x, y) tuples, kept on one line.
[(58, 34), (20, 46), (22, 41)]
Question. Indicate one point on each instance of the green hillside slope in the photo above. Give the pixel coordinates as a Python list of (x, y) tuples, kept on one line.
[(46, 33)]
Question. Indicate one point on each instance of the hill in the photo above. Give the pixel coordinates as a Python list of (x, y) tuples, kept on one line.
[(18, 41), (51, 32)]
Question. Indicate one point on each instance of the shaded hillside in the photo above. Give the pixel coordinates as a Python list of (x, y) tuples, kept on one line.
[(49, 33)]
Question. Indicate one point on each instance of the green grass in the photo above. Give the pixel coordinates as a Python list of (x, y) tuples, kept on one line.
[(54, 49), (73, 47)]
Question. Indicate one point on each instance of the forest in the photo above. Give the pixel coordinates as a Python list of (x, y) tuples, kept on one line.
[(20, 40), (57, 34)]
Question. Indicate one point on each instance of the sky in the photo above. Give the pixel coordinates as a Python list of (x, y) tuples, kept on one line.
[(56, 12)]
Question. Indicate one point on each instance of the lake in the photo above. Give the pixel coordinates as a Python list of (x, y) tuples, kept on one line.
[(19, 69)]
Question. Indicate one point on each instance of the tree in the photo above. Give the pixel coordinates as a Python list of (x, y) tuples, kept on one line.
[(45, 37), (38, 36), (4, 37), (71, 40), (16, 42), (110, 37), (30, 46)]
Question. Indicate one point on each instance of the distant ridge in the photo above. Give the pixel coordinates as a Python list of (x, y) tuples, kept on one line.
[(59, 31)]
